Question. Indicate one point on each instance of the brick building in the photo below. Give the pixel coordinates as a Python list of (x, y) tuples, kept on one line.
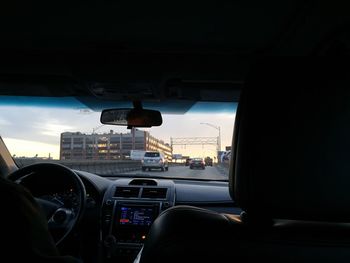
[(109, 146)]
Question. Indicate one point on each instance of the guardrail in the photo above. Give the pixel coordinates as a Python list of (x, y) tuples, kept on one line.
[(102, 167)]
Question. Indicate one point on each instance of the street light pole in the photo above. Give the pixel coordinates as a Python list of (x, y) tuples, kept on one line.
[(218, 128), (219, 139)]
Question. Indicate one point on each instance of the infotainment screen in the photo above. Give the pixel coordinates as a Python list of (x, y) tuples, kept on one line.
[(136, 215), (133, 221)]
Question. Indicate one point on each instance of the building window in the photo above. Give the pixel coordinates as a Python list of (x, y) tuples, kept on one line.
[(66, 146), (127, 146), (78, 140), (115, 140)]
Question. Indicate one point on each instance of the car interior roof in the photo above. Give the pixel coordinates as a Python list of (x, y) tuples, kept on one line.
[(155, 52), (237, 27)]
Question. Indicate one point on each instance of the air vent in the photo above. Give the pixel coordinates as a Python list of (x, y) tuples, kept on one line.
[(127, 192), (154, 193), (143, 182)]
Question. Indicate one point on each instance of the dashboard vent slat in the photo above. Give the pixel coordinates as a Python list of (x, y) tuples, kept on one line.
[(127, 192), (159, 193)]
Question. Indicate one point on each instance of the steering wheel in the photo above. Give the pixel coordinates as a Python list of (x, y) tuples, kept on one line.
[(59, 192)]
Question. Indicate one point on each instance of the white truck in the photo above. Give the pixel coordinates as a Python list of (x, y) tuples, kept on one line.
[(137, 155)]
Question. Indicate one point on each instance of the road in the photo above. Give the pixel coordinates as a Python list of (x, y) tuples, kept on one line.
[(210, 172)]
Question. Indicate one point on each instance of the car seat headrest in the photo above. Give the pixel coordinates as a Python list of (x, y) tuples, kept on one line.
[(291, 145)]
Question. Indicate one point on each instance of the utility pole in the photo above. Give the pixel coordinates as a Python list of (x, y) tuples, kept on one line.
[(133, 137)]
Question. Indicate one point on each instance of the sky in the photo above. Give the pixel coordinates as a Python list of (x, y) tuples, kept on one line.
[(30, 130)]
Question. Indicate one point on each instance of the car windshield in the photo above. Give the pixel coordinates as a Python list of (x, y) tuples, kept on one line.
[(71, 134)]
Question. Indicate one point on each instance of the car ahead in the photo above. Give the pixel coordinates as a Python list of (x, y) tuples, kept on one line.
[(197, 163), (188, 161), (208, 161), (154, 160)]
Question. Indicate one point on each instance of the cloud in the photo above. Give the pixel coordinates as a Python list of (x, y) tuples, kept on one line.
[(4, 122), (51, 129)]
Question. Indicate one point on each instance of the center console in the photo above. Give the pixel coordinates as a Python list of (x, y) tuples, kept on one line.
[(130, 206)]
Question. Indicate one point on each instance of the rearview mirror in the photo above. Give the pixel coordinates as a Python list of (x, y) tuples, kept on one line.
[(131, 117)]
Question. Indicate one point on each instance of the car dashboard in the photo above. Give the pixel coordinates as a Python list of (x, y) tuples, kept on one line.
[(124, 208)]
